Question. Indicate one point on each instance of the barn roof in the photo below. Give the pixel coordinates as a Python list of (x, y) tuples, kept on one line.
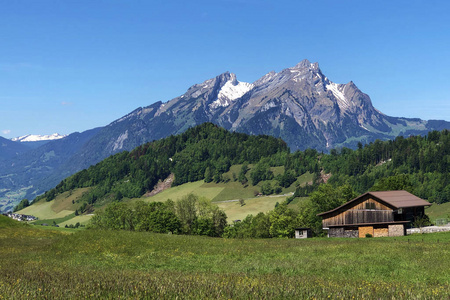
[(396, 199), (400, 199)]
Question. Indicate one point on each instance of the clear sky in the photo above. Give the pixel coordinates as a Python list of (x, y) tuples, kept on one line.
[(69, 65)]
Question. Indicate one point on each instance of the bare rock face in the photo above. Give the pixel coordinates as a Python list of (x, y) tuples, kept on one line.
[(299, 104)]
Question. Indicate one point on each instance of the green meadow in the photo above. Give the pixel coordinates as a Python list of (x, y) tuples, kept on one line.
[(65, 264)]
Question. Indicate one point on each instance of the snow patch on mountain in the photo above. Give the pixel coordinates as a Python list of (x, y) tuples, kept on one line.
[(337, 91), (38, 138), (231, 91)]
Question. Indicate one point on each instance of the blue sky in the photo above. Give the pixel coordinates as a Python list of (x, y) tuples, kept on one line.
[(69, 66)]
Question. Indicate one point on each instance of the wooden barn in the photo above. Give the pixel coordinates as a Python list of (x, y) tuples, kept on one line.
[(379, 214)]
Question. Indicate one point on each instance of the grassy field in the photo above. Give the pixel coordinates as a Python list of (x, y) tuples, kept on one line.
[(59, 264)]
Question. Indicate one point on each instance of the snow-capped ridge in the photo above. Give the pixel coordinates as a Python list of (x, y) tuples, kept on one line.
[(38, 138), (230, 91)]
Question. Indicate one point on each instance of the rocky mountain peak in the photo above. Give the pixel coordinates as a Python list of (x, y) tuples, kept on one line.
[(306, 64)]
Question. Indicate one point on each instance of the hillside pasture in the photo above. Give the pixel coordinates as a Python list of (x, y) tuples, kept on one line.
[(43, 210), (198, 188), (59, 208), (252, 206)]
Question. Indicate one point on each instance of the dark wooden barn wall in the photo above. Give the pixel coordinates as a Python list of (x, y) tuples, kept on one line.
[(358, 214)]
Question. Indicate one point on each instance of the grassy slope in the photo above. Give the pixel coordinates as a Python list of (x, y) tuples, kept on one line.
[(43, 210), (8, 222), (47, 263), (438, 211), (252, 206), (59, 210), (198, 188)]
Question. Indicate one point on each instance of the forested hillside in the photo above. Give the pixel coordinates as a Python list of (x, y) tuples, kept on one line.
[(202, 150), (417, 164)]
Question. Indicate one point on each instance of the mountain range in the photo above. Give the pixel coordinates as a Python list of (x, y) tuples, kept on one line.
[(19, 145), (38, 138), (299, 104)]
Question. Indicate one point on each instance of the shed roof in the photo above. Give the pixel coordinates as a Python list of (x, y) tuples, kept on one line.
[(396, 199)]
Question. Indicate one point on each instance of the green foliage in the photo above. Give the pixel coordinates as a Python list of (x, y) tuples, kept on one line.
[(208, 175), (251, 227), (327, 197), (287, 178), (260, 172), (154, 217), (421, 221), (189, 215), (186, 210), (417, 164), (282, 221), (24, 203), (278, 223), (115, 216), (241, 176), (266, 188), (393, 183)]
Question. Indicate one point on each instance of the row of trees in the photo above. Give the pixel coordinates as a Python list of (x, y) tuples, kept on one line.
[(197, 216), (189, 215)]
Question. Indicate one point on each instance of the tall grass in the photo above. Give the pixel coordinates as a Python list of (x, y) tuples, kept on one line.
[(109, 264)]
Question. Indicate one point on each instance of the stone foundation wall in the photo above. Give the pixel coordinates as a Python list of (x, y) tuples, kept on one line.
[(391, 230), (396, 230), (341, 232), (336, 232), (351, 233)]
